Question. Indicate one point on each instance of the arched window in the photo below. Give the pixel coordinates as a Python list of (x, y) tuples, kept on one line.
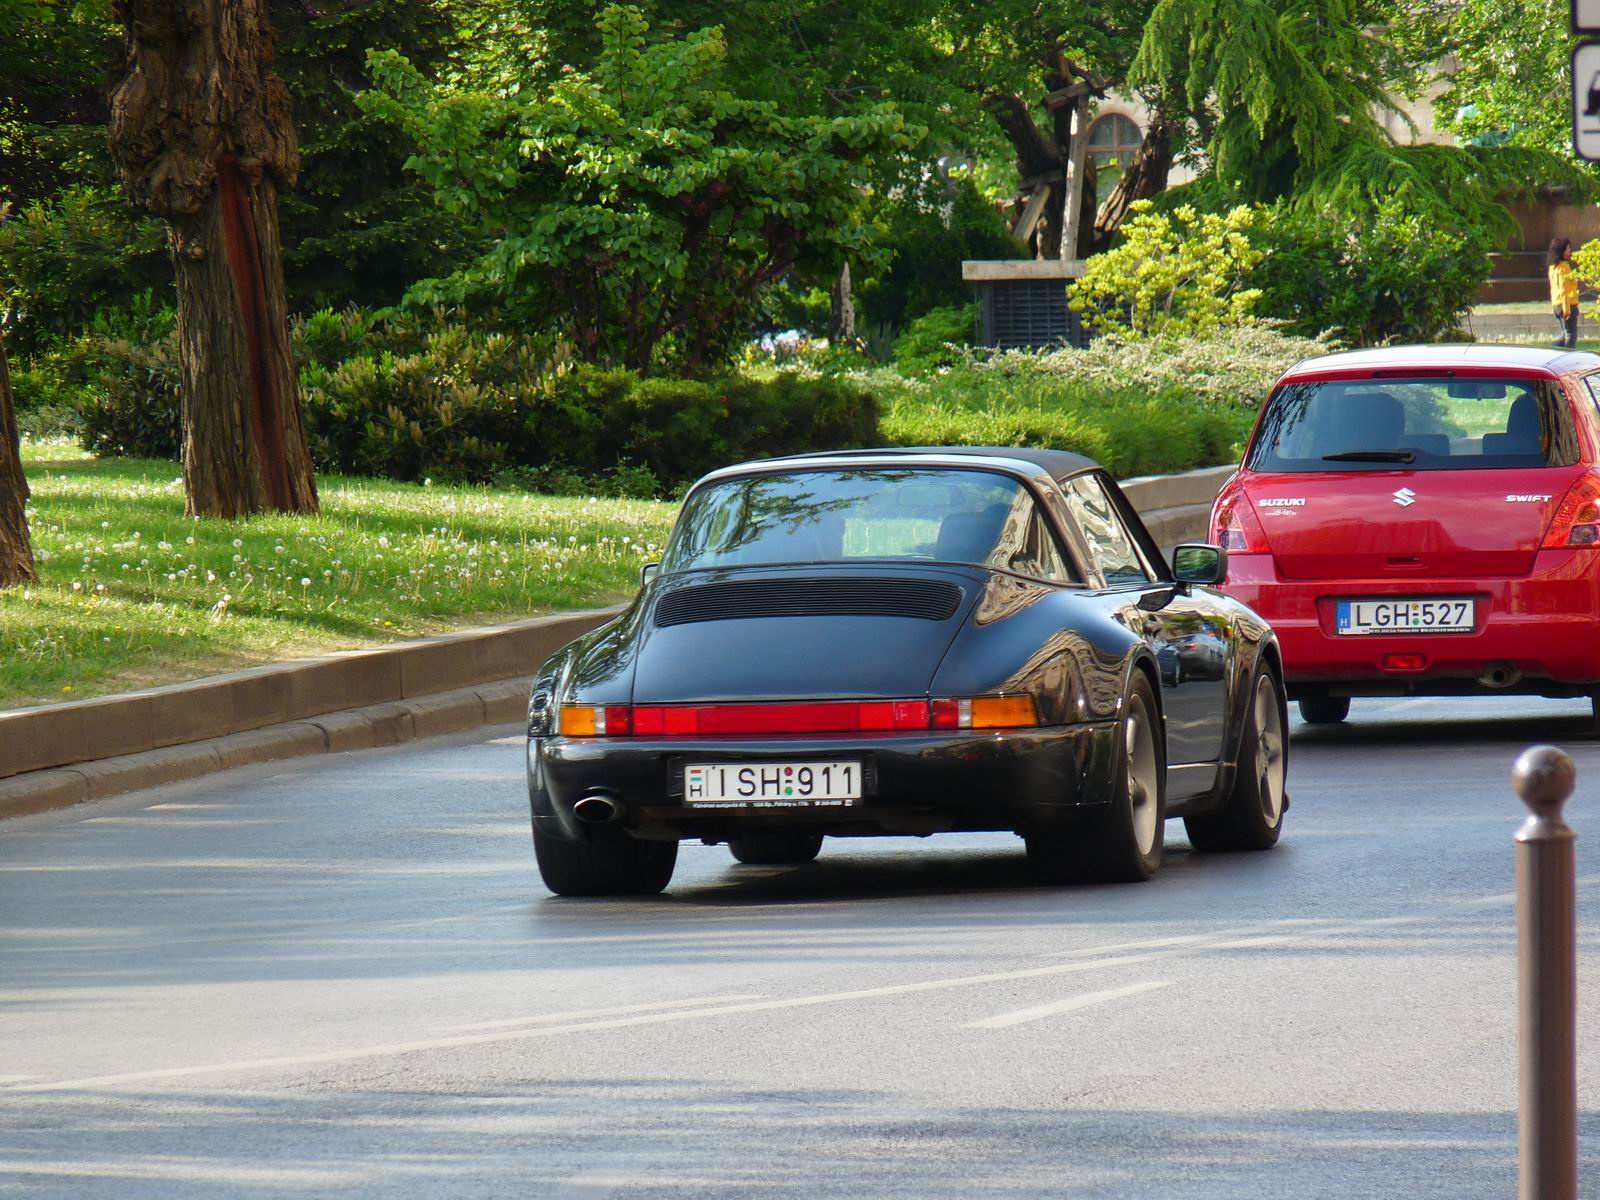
[(1113, 139)]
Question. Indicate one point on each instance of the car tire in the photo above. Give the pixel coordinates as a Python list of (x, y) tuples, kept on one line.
[(1123, 842), (776, 849), (1324, 710), (1252, 816), (607, 863)]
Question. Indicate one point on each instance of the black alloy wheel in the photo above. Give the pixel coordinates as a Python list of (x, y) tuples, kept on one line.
[(1252, 817), (1123, 842)]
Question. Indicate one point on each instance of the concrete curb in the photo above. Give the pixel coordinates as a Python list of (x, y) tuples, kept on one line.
[(65, 754), (499, 703)]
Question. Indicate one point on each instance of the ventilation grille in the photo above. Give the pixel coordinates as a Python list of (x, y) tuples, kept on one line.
[(924, 599), (1029, 313)]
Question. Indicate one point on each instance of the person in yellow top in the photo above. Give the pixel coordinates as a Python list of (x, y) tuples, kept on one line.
[(1563, 290)]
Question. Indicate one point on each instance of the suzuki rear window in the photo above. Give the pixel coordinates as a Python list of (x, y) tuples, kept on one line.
[(1415, 424)]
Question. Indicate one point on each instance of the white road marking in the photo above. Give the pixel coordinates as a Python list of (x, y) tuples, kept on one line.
[(590, 1014), (1022, 1015), (519, 740), (514, 1035), (4, 1079), (1304, 933)]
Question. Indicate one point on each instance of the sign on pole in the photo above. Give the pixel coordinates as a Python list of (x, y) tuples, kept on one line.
[(1586, 100), (1586, 16)]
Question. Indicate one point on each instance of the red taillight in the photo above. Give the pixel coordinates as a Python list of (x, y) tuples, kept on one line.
[(1234, 525), (868, 716), (829, 716), (1403, 662), (1577, 519)]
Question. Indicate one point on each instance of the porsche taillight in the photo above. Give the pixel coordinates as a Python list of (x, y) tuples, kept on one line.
[(1577, 519), (1234, 525), (814, 717)]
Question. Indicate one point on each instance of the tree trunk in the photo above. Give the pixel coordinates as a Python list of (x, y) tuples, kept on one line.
[(842, 310), (16, 547), (1145, 176), (1039, 156), (203, 137)]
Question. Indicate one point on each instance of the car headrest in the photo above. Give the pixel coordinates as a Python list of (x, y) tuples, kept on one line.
[(1523, 419), (1370, 421), (968, 537)]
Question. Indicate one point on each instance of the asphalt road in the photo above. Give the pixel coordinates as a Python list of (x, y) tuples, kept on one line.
[(341, 977)]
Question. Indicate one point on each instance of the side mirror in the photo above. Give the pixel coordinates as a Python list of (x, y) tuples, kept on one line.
[(1199, 564), (647, 572)]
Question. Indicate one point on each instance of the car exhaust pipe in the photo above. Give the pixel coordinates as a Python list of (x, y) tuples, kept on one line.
[(1499, 675), (596, 809)]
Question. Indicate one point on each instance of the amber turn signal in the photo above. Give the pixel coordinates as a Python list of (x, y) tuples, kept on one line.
[(1003, 712)]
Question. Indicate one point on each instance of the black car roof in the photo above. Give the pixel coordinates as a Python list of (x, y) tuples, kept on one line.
[(1058, 464)]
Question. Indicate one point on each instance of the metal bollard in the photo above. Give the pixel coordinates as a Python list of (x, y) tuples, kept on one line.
[(1547, 983)]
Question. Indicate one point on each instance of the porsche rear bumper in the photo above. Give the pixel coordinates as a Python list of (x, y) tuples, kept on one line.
[(915, 783)]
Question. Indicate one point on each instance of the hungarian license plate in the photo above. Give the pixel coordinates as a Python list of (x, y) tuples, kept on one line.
[(1433, 615), (771, 785)]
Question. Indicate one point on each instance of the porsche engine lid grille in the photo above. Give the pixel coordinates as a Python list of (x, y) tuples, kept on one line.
[(925, 599)]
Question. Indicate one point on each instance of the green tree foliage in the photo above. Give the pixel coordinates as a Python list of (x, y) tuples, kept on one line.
[(1284, 94), (641, 202), (52, 61), (1183, 273), (1508, 67), (1393, 276), (64, 260), (358, 228), (929, 234)]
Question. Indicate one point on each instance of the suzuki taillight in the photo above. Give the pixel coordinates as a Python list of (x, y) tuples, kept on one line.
[(1234, 525), (1577, 519)]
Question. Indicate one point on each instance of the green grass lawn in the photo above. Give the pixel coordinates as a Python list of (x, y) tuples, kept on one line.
[(131, 593)]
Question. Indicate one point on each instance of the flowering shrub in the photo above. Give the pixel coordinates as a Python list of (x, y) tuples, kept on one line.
[(1179, 274), (1233, 366)]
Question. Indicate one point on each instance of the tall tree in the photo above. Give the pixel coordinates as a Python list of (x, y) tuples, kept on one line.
[(641, 200), (202, 135), (1504, 66), (16, 548), (1286, 95)]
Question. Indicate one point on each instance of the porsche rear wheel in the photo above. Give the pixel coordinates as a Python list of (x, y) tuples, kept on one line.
[(776, 849), (1252, 817), (1324, 710), (1123, 843), (608, 863)]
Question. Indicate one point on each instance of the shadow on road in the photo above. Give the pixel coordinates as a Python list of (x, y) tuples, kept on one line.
[(630, 1138), (1422, 730)]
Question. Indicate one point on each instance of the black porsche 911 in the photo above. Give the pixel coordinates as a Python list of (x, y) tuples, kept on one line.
[(909, 642)]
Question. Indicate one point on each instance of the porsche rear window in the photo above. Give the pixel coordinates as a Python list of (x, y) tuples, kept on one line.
[(831, 516), (1415, 424)]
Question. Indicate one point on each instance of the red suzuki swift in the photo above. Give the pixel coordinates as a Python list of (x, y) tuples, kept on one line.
[(1424, 520)]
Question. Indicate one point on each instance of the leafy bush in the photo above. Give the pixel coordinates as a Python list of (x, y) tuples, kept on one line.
[(930, 236), (935, 339), (63, 261), (127, 362), (1130, 431), (643, 202), (1226, 366), (1178, 273), (1398, 276)]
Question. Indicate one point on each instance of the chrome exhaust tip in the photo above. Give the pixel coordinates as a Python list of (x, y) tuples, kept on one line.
[(596, 809)]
